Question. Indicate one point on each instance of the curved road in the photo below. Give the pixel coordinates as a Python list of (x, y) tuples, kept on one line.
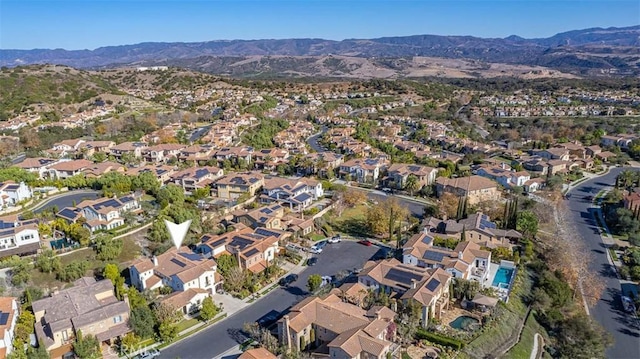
[(66, 200), (608, 310), (219, 338)]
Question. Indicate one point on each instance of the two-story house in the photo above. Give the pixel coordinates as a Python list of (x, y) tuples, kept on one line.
[(180, 270), (66, 169), (503, 175), (266, 217), (8, 317), (89, 306), (474, 188), (194, 178), (103, 213), (161, 153), (11, 193), (235, 185), (429, 287), (339, 329), (466, 261), (398, 173), (19, 238), (132, 149), (364, 170), (162, 172), (477, 228), (297, 194), (38, 165), (255, 249)]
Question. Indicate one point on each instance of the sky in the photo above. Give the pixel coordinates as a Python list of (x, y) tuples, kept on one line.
[(88, 24)]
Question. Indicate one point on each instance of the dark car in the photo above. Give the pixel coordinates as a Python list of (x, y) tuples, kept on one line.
[(269, 319), (288, 279), (366, 242), (312, 261)]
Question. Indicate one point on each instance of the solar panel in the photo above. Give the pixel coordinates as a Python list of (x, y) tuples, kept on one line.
[(432, 285), (433, 256), (427, 240), (399, 276), (4, 317), (252, 252), (174, 260)]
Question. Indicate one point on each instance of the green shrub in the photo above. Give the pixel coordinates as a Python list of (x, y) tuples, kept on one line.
[(439, 339)]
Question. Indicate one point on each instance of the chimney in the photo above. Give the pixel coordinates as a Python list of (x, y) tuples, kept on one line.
[(460, 255), (414, 283), (425, 230), (504, 166), (287, 332), (155, 261)]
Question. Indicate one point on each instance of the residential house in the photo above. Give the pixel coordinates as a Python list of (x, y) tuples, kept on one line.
[(622, 140), (269, 158), (67, 147), (194, 178), (103, 213), (592, 151), (341, 330), (98, 169), (364, 170), (266, 217), (180, 269), (196, 153), (503, 175), (9, 312), (89, 148), (553, 154), (398, 173), (631, 201), (297, 194), (429, 287), (162, 172), (323, 162), (38, 165), (474, 188), (131, 149), (11, 193), (89, 306), (19, 237), (235, 154), (533, 185), (66, 169), (255, 249), (161, 153), (257, 353), (235, 185), (605, 156), (466, 261), (477, 228)]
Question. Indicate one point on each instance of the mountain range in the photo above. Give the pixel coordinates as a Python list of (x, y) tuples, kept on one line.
[(588, 52)]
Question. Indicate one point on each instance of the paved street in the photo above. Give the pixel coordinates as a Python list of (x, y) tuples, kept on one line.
[(313, 140), (66, 200), (608, 311), (213, 341)]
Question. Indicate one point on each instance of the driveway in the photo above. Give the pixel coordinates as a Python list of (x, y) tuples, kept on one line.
[(66, 200), (216, 340), (608, 310)]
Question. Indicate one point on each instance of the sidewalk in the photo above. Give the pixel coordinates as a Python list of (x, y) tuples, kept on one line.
[(231, 305)]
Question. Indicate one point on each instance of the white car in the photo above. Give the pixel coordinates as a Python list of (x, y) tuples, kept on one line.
[(315, 250), (335, 239)]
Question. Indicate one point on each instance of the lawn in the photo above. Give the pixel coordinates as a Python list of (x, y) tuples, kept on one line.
[(130, 251), (187, 323), (351, 221), (522, 350), (317, 237), (500, 329)]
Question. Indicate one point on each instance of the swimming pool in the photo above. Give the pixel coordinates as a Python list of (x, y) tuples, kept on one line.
[(463, 322), (503, 277)]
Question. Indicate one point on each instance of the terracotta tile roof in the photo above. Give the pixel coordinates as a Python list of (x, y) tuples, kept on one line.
[(257, 353), (472, 183), (178, 300)]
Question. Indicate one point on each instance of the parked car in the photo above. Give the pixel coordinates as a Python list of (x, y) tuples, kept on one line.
[(335, 239), (269, 319), (288, 279), (312, 261), (366, 242), (315, 250), (148, 354), (326, 280)]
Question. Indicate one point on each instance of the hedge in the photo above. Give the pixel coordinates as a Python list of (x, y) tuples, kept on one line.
[(439, 339)]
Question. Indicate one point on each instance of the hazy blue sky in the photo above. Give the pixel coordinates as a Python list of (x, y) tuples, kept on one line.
[(26, 24)]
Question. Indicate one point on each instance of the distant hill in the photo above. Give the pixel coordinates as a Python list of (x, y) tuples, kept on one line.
[(589, 52)]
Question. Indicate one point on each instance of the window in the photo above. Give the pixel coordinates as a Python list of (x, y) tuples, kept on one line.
[(117, 319)]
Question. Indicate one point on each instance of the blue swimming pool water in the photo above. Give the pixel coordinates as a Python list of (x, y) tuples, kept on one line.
[(503, 277), (463, 322)]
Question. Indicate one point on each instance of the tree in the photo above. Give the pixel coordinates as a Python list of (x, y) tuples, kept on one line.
[(353, 197), (235, 279), (142, 321), (20, 270), (129, 343), (158, 232), (48, 262), (580, 337), (209, 310), (314, 282), (112, 273), (73, 271), (527, 224), (108, 249), (86, 347), (170, 194), (225, 263), (412, 184), (167, 317), (147, 182), (76, 232), (38, 353), (449, 204)]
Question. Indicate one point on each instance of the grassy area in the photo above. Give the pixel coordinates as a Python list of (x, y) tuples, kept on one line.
[(522, 350), (130, 251), (351, 221), (317, 237), (187, 323), (509, 315), (192, 332)]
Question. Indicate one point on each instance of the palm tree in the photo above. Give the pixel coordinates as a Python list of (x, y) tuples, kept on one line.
[(412, 184), (626, 178)]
